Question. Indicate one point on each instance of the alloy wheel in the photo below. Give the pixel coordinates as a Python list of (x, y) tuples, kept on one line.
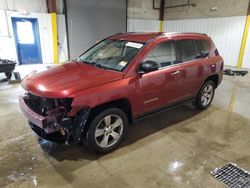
[(108, 131), (207, 95)]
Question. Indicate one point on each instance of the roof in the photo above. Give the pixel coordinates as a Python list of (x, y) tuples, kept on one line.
[(146, 36), (137, 36)]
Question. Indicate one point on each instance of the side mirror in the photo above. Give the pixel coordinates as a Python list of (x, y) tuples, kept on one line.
[(148, 66)]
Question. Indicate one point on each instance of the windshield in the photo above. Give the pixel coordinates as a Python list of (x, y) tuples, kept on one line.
[(111, 54)]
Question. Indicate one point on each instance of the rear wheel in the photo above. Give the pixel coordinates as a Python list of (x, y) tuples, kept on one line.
[(106, 131), (205, 95)]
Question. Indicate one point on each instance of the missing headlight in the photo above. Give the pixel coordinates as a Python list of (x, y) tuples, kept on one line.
[(66, 102)]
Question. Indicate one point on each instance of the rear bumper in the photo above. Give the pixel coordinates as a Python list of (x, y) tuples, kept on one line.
[(47, 123)]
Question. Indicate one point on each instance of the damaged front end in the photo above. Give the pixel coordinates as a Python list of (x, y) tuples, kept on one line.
[(49, 117)]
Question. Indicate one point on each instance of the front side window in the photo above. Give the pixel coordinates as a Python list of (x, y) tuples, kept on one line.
[(187, 49), (111, 54), (163, 54)]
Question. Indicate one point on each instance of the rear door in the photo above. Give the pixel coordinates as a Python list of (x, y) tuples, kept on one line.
[(207, 65), (209, 61), (190, 71)]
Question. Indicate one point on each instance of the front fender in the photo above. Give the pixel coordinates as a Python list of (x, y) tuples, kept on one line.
[(105, 93)]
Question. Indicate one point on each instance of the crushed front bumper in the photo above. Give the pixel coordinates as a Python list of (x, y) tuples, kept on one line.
[(54, 137), (56, 128), (47, 123)]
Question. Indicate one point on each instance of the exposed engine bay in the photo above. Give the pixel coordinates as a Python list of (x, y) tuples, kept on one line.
[(55, 111), (48, 106)]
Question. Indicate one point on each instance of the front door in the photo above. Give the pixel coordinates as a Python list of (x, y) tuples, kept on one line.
[(26, 34), (160, 88)]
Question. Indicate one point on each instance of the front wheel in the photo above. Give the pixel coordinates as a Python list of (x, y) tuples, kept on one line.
[(205, 95), (106, 131)]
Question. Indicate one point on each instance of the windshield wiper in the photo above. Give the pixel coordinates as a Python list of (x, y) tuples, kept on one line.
[(78, 59), (98, 65), (101, 66), (105, 67), (93, 63), (82, 61)]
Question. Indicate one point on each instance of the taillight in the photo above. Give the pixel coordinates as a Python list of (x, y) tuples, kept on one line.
[(216, 52)]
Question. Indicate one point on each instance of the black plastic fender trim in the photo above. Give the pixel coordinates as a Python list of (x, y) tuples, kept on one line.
[(80, 126)]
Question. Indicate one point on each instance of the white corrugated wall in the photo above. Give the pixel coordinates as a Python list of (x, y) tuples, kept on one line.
[(142, 25), (62, 38), (226, 32)]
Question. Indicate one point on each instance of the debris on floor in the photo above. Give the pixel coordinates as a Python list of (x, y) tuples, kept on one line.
[(232, 176), (231, 72)]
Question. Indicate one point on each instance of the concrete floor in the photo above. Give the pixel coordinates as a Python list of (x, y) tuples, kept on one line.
[(177, 148)]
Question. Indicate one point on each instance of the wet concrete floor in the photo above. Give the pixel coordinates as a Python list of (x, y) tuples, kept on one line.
[(176, 148)]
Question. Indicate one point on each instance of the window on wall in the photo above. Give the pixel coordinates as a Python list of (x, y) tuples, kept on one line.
[(163, 54), (187, 49), (25, 32)]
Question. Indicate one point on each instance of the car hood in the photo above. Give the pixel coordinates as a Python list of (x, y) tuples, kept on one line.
[(64, 80)]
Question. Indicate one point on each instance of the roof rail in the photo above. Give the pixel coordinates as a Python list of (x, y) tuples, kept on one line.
[(173, 33)]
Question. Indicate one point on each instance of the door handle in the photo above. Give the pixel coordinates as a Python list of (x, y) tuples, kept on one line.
[(175, 72)]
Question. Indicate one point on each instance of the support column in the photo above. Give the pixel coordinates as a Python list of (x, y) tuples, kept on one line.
[(54, 37), (244, 38), (51, 4), (161, 16)]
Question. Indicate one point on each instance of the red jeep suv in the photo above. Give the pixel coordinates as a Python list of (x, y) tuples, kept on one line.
[(124, 77)]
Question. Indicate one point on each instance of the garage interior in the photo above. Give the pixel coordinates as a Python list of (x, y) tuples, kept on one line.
[(176, 148)]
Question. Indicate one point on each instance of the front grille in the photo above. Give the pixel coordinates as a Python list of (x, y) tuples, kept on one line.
[(232, 176)]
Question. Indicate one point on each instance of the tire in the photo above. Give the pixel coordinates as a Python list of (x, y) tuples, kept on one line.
[(112, 124), (17, 75), (8, 75), (205, 95)]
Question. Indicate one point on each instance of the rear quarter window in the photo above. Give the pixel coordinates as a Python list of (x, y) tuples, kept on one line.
[(198, 49)]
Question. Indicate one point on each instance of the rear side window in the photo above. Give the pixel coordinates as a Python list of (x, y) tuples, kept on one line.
[(205, 44), (187, 49), (198, 49), (163, 54)]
